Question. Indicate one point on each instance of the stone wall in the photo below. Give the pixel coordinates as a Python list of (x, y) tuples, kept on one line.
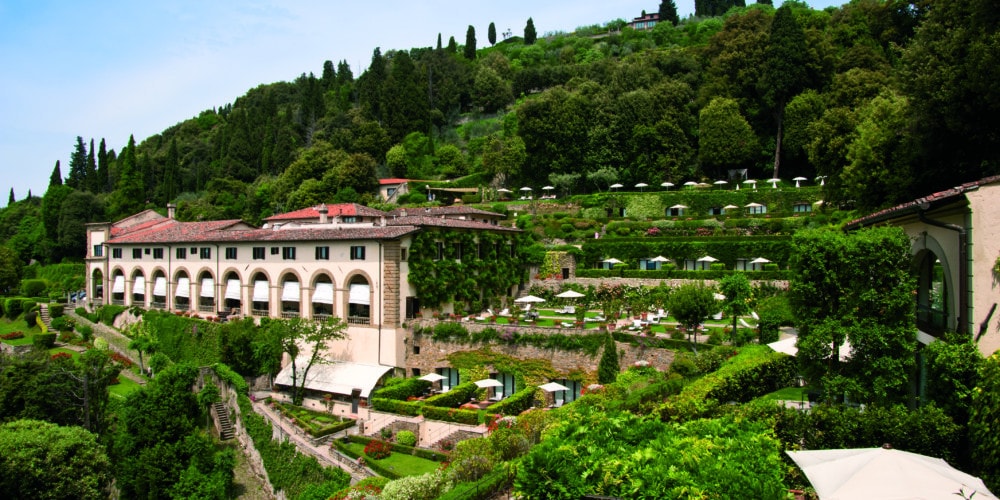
[(558, 284)]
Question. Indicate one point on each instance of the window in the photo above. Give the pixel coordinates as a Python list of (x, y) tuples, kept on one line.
[(358, 253), (182, 253), (416, 349), (322, 253), (116, 253), (350, 220), (205, 252), (98, 250), (230, 253), (193, 251), (440, 250), (288, 253), (258, 253), (390, 191), (274, 250), (802, 207), (146, 251), (158, 253), (458, 250), (136, 253), (403, 254)]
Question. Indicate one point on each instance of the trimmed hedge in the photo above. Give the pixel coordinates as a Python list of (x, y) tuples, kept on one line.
[(408, 408), (107, 313), (400, 389), (458, 395), (57, 310), (516, 403), (44, 340), (470, 417), (484, 489), (402, 448), (681, 274), (13, 307)]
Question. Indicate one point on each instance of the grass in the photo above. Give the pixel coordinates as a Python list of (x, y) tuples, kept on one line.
[(404, 465), (788, 394), (73, 354), (124, 387), (8, 326)]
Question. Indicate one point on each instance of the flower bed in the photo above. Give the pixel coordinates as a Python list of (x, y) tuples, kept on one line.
[(12, 335), (317, 424)]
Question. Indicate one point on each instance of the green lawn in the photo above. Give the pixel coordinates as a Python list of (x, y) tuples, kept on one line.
[(8, 326), (404, 465), (788, 394), (73, 354), (124, 387)]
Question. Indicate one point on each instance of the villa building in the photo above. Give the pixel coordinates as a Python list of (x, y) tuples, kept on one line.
[(344, 260), (955, 242)]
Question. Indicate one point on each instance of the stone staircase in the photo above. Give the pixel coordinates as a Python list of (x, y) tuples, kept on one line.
[(222, 418), (43, 314), (454, 438)]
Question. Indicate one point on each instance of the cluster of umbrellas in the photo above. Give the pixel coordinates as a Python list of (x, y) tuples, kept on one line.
[(773, 181), (491, 382)]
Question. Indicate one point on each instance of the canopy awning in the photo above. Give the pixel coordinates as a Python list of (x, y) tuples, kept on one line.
[(208, 288), (119, 285), (360, 294), (160, 286), (323, 294), (183, 287), (260, 291), (233, 289), (337, 377), (139, 285), (290, 291)]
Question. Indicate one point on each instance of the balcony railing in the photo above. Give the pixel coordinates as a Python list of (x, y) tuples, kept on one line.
[(321, 316), (359, 320), (259, 312), (118, 302), (210, 308), (289, 314), (156, 304)]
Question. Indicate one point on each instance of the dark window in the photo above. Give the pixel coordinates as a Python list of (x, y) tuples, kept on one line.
[(258, 253), (205, 252), (288, 253), (146, 251), (157, 253), (182, 253), (357, 253), (403, 254), (194, 250), (322, 253), (440, 250), (350, 220), (116, 253), (136, 253), (458, 250), (416, 349), (230, 253), (274, 250), (98, 250)]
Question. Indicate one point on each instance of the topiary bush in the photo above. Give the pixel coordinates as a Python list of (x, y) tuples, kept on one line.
[(44, 340), (86, 332), (56, 310), (33, 287), (13, 307), (406, 438)]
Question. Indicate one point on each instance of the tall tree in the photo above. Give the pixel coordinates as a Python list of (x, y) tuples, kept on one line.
[(65, 462), (529, 32), (491, 34), (370, 85), (91, 183), (129, 195), (785, 70), (452, 45), (78, 166), (726, 139), (469, 51), (10, 199), (171, 184), (103, 172), (300, 335), (608, 367), (439, 42), (55, 179), (329, 75), (691, 304), (736, 288), (668, 12)]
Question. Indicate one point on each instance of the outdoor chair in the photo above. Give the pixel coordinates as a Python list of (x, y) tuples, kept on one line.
[(504, 312)]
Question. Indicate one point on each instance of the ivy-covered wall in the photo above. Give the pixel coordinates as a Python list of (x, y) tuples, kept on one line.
[(462, 274), (777, 249)]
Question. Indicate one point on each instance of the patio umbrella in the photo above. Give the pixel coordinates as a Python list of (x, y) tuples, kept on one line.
[(528, 299), (526, 188), (615, 186), (884, 473), (667, 185), (548, 188), (659, 258), (760, 260), (707, 258), (774, 182), (751, 181), (570, 294), (753, 205), (612, 261), (553, 387), (730, 207), (822, 180), (433, 377), (690, 183), (488, 382), (504, 190), (720, 183), (799, 179), (641, 185), (679, 207)]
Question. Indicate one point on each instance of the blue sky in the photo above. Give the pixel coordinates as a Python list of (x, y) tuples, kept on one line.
[(114, 68)]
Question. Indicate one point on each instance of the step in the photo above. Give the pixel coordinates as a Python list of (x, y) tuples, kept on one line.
[(225, 426)]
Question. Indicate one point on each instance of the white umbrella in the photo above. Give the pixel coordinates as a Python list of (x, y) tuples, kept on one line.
[(615, 186), (799, 179), (703, 184), (884, 473), (526, 188), (659, 258), (751, 181), (760, 260), (504, 190), (641, 185), (612, 260), (820, 202), (690, 183), (679, 207), (667, 185), (527, 299), (822, 180), (433, 377), (753, 205), (730, 207), (720, 183), (488, 382), (708, 258), (774, 182), (570, 294), (548, 188), (553, 387)]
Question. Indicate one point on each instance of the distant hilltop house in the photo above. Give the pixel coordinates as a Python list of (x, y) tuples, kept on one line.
[(955, 242), (391, 189), (645, 21), (344, 260)]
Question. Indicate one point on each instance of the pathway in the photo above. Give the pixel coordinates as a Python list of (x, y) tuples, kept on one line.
[(116, 341)]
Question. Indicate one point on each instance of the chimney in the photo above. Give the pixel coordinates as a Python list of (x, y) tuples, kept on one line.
[(323, 211), (171, 210)]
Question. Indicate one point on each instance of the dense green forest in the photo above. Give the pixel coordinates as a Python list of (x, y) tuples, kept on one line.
[(889, 99)]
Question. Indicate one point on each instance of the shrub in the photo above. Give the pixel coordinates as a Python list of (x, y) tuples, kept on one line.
[(44, 340), (13, 307), (63, 324), (30, 318), (86, 332), (406, 438), (61, 355), (378, 449), (33, 287), (66, 337), (447, 330), (108, 313), (516, 403), (400, 389), (457, 395), (56, 310)]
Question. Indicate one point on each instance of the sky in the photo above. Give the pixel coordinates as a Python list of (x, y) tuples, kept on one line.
[(116, 68)]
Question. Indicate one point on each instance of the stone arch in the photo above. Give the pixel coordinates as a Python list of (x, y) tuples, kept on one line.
[(207, 290), (159, 288), (182, 289), (290, 284), (322, 297), (139, 292), (260, 295), (96, 289), (232, 290), (936, 290), (118, 286), (359, 298)]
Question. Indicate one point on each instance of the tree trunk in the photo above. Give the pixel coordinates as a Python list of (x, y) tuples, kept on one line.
[(777, 142)]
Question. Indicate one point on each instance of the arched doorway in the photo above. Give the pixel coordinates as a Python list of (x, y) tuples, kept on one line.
[(234, 294), (260, 301), (291, 297), (182, 293), (118, 288), (359, 301), (159, 290), (96, 292), (933, 294), (322, 298), (206, 293), (139, 289)]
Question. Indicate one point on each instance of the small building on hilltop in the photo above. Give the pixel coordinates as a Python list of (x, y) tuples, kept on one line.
[(955, 237)]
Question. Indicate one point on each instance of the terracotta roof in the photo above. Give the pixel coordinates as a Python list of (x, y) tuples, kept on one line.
[(229, 231), (938, 198), (420, 220), (340, 209), (393, 181), (437, 211)]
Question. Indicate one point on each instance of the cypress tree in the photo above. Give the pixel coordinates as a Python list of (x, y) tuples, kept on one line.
[(491, 35), (529, 32), (452, 46), (55, 179), (470, 43), (607, 368), (78, 165), (103, 176), (11, 200), (668, 12), (439, 42), (91, 174), (785, 72)]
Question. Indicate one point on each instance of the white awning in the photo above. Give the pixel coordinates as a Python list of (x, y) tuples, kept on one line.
[(139, 285), (290, 291), (183, 287), (260, 291), (233, 290), (160, 286), (208, 288), (338, 377), (323, 294), (119, 286), (359, 294)]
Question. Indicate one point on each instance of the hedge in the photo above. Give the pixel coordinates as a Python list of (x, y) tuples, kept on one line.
[(458, 395), (470, 417), (408, 408), (402, 448), (515, 404), (13, 307), (107, 313), (400, 389), (484, 489), (33, 287), (681, 274), (44, 340), (56, 310)]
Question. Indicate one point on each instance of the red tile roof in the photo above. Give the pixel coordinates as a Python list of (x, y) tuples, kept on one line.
[(392, 181), (938, 198), (340, 209), (230, 231), (420, 220), (448, 210)]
